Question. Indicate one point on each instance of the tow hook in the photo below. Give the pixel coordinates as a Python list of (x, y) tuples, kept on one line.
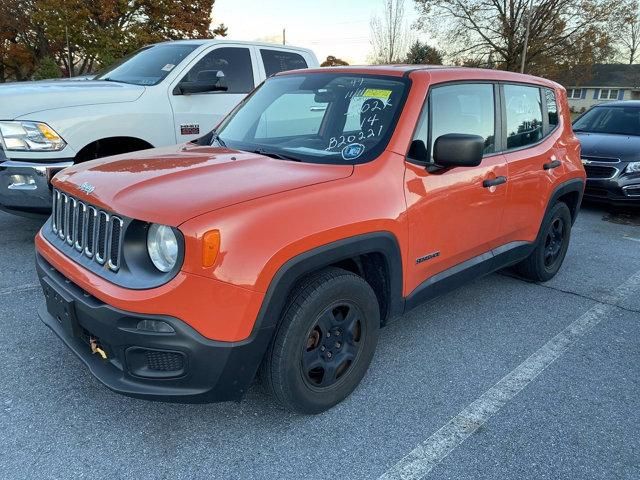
[(95, 348)]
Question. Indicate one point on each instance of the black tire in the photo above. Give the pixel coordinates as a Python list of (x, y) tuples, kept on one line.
[(334, 302), (551, 247)]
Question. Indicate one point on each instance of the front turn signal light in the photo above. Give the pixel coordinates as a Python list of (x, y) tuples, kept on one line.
[(210, 248)]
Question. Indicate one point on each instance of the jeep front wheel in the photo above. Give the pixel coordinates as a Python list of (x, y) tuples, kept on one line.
[(325, 342)]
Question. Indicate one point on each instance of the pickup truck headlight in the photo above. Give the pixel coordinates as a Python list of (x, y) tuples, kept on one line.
[(162, 245), (30, 136), (633, 167)]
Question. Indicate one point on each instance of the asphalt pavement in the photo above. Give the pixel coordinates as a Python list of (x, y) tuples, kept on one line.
[(501, 379)]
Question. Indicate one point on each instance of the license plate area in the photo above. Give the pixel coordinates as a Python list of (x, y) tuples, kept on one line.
[(61, 307)]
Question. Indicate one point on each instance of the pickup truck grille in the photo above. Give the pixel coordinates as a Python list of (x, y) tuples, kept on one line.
[(90, 230)]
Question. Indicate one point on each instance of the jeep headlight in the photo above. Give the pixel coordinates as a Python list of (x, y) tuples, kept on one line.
[(30, 136), (162, 246), (633, 167)]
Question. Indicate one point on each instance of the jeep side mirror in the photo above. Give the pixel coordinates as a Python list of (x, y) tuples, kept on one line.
[(206, 81), (458, 150)]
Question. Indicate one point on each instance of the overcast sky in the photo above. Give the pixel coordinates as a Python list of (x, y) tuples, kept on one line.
[(328, 27)]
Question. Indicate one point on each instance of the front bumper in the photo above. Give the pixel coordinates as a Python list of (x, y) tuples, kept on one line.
[(620, 190), (182, 366), (33, 196)]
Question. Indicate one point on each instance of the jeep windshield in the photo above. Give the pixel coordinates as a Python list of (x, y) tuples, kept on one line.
[(317, 117), (616, 120), (148, 66)]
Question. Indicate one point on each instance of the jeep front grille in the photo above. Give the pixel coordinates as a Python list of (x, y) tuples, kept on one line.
[(90, 230)]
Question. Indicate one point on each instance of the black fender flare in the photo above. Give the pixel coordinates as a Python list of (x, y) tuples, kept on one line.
[(313, 260), (575, 185), (385, 243)]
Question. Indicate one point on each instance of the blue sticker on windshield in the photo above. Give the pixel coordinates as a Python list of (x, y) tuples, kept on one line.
[(353, 151)]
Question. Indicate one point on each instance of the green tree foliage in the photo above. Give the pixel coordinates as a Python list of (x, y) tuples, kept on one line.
[(47, 68), (422, 54), (99, 31), (333, 62)]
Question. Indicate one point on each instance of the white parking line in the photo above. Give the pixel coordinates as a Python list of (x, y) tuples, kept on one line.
[(422, 459), (19, 288)]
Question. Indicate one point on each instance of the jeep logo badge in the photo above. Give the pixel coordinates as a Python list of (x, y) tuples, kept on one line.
[(87, 188)]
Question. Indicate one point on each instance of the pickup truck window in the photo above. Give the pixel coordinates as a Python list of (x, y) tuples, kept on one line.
[(233, 62), (276, 61), (148, 66), (321, 118), (278, 121)]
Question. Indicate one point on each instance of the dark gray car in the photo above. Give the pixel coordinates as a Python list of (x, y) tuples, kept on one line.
[(610, 137)]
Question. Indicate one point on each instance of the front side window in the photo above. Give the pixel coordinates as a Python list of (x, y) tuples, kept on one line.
[(465, 108), (148, 66), (524, 115), (234, 63), (614, 120), (276, 61), (320, 118)]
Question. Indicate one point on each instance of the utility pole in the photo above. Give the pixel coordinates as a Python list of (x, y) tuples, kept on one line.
[(70, 68), (284, 36), (526, 36)]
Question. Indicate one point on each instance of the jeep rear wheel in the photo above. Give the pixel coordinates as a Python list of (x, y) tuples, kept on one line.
[(325, 342), (551, 248)]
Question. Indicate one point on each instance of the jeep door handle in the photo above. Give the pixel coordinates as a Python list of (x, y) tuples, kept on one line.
[(494, 181), (552, 165)]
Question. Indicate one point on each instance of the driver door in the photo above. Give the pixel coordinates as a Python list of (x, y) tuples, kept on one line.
[(199, 113), (454, 214)]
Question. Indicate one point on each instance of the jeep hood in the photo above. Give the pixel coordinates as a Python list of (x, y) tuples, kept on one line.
[(174, 184), (24, 98)]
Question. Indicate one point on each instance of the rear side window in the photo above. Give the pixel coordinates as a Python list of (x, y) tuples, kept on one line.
[(276, 61), (552, 108), (524, 115), (465, 108), (233, 62)]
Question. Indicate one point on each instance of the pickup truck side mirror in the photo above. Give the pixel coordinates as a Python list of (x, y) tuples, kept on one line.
[(458, 150), (206, 81)]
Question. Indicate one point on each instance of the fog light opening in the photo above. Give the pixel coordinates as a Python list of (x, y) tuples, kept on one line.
[(155, 326)]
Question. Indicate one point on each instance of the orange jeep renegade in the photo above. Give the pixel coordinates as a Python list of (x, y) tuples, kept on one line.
[(327, 202)]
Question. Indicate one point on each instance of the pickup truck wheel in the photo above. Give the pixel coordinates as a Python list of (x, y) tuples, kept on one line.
[(325, 342), (545, 261)]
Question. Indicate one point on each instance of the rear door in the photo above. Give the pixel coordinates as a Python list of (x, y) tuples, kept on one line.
[(534, 155), (196, 114), (454, 215)]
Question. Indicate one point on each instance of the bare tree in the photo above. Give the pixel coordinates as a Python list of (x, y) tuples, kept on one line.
[(629, 34), (390, 35), (562, 32)]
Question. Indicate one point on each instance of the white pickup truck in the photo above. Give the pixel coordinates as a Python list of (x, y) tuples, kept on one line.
[(163, 94)]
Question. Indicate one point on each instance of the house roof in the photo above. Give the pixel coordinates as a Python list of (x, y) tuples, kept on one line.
[(602, 75)]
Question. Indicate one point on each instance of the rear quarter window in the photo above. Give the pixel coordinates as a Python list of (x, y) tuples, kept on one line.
[(552, 108)]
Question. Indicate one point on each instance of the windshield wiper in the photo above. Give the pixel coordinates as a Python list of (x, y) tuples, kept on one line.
[(278, 156), (215, 137)]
